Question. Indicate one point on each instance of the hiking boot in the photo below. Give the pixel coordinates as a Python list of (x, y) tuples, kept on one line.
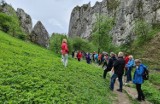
[(138, 99), (119, 90), (143, 99)]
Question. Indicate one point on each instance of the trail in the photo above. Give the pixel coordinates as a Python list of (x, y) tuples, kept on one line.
[(122, 97)]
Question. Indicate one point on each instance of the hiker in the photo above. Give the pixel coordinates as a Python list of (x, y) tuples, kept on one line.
[(99, 59), (96, 58), (126, 58), (64, 52), (109, 64), (79, 55), (130, 66), (88, 59), (118, 69), (93, 56), (73, 54), (138, 79)]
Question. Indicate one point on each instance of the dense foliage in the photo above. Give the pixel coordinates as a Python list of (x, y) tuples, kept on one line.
[(34, 75), (9, 23), (101, 33), (74, 44)]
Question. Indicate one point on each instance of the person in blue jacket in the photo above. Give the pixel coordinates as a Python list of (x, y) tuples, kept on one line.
[(138, 79), (129, 67)]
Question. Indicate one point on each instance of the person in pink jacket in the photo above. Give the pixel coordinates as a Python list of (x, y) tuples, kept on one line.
[(64, 52)]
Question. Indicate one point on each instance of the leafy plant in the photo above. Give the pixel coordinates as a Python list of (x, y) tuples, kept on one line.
[(101, 33)]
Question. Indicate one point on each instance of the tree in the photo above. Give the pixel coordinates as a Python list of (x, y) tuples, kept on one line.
[(101, 33)]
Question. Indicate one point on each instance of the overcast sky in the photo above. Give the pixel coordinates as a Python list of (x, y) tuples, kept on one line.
[(54, 14)]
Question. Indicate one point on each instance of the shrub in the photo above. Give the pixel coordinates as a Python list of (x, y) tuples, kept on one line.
[(101, 33), (9, 23)]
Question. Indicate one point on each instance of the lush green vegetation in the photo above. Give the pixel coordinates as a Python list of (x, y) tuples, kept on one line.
[(31, 74), (100, 36), (76, 43), (151, 92), (9, 23)]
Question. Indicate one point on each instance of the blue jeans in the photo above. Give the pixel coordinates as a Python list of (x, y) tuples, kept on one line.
[(129, 75), (113, 79)]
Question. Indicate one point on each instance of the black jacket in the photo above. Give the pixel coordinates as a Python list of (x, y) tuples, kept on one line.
[(119, 66), (110, 63)]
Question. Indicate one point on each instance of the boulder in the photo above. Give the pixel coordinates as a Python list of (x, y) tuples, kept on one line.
[(39, 35)]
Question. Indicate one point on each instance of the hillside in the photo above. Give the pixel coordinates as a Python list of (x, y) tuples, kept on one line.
[(31, 74)]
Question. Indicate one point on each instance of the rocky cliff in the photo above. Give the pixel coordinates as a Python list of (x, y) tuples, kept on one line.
[(39, 35), (25, 20), (125, 13)]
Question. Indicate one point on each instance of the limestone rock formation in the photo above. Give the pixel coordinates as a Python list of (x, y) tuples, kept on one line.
[(25, 21), (39, 35), (125, 12)]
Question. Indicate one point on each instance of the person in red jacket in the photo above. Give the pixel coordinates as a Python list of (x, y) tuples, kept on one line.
[(126, 58), (79, 56), (64, 52)]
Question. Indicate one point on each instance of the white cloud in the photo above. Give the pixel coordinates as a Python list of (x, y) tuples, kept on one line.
[(54, 14), (55, 22)]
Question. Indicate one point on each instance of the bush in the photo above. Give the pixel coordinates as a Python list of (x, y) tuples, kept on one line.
[(83, 45), (142, 30), (10, 24), (101, 33)]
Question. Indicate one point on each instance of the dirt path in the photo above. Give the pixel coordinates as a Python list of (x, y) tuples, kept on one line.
[(122, 97)]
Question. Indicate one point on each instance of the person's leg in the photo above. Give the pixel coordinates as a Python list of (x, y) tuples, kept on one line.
[(63, 59), (104, 74), (66, 60), (120, 82), (130, 74), (138, 87), (113, 79), (141, 93), (127, 75)]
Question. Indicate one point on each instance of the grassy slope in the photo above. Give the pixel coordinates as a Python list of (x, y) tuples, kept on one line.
[(34, 75)]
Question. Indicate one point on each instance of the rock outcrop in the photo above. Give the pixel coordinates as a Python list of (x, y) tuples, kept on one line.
[(39, 35), (125, 13), (25, 21)]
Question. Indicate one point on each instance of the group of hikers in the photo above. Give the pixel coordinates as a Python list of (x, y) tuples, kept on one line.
[(118, 64)]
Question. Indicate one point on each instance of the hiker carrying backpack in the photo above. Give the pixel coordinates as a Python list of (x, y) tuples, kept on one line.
[(139, 78), (145, 73)]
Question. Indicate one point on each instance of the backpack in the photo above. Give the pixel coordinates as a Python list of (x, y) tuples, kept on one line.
[(145, 73)]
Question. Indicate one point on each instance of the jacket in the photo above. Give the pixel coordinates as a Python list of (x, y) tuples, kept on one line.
[(79, 55), (110, 63), (119, 66), (64, 48), (126, 59), (130, 63), (138, 75)]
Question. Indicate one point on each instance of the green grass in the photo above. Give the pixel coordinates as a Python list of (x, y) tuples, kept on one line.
[(151, 92), (31, 74)]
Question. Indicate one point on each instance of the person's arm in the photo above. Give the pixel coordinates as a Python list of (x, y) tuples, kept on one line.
[(105, 63), (130, 63)]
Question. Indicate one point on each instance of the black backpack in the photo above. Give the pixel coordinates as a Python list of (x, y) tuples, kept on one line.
[(145, 74)]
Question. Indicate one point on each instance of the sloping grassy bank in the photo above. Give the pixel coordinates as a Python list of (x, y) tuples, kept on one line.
[(31, 74)]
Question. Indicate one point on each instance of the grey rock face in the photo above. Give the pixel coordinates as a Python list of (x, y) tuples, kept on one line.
[(125, 12), (25, 20), (39, 35)]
